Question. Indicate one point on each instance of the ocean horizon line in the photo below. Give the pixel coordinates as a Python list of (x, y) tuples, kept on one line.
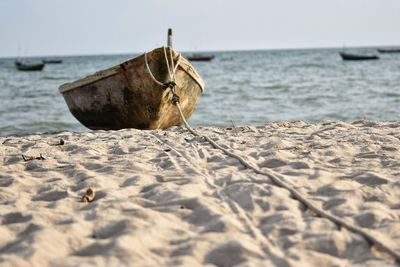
[(207, 51)]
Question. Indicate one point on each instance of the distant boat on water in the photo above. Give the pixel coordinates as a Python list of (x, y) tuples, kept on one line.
[(28, 67), (200, 57), (348, 56), (388, 50), (52, 61)]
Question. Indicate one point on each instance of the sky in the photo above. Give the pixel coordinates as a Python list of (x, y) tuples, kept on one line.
[(85, 27)]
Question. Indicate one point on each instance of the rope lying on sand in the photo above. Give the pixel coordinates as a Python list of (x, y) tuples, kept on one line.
[(277, 178)]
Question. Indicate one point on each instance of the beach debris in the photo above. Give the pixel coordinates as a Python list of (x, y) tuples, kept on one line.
[(89, 196), (25, 158), (5, 141), (61, 142)]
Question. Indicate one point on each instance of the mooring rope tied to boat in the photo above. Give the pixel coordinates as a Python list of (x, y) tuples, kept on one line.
[(277, 178), (170, 73)]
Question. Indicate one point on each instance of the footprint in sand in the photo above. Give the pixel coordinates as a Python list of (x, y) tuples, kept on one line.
[(6, 181), (215, 226), (95, 249), (226, 255), (92, 166), (7, 196), (373, 218), (272, 163), (130, 181), (74, 149), (199, 214), (370, 179), (112, 229), (101, 168), (12, 160), (15, 217), (149, 188), (25, 147), (245, 194), (299, 165), (334, 189), (337, 245), (118, 150), (33, 166), (334, 202), (182, 250), (22, 240), (51, 196)]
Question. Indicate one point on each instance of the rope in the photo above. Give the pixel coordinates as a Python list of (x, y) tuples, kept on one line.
[(151, 73), (171, 74), (277, 178)]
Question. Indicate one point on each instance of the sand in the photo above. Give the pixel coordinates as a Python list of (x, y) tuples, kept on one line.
[(167, 198)]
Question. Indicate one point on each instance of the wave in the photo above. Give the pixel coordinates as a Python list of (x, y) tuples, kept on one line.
[(275, 87), (392, 94), (55, 78), (308, 66)]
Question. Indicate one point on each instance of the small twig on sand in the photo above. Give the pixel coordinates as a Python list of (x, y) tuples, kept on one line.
[(32, 158), (5, 141), (61, 142)]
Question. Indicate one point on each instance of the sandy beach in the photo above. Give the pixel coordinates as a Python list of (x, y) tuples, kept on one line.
[(167, 198)]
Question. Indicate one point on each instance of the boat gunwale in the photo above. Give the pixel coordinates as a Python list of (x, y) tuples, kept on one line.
[(103, 74)]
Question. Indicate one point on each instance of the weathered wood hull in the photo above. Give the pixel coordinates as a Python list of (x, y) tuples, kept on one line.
[(125, 96)]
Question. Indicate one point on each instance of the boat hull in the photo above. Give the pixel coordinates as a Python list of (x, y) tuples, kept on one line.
[(126, 96), (200, 58), (381, 50), (346, 56), (29, 67)]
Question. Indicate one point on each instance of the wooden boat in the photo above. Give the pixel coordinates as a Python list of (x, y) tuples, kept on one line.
[(28, 67), (52, 61), (126, 96), (392, 50), (347, 56), (201, 57)]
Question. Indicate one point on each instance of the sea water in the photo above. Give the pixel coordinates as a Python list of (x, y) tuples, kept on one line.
[(242, 88)]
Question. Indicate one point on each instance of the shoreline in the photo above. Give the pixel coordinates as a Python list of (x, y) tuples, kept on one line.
[(168, 198)]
